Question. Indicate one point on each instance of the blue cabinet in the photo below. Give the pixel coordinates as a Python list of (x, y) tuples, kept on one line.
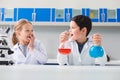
[(92, 13), (59, 15), (26, 13), (96, 15), (8, 14), (102, 14), (43, 14), (37, 14), (111, 15)]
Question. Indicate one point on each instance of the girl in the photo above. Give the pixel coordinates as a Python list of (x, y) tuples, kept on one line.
[(26, 49)]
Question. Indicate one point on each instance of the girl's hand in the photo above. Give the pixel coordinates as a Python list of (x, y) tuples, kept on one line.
[(97, 39), (31, 42)]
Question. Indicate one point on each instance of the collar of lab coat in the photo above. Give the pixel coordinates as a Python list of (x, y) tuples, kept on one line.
[(16, 46)]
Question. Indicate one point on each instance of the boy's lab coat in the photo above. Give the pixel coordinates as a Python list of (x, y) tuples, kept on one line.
[(38, 56), (83, 58)]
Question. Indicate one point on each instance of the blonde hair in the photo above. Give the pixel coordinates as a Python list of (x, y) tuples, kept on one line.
[(18, 27)]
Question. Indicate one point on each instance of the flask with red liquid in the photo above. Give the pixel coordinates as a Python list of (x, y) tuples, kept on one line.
[(65, 49)]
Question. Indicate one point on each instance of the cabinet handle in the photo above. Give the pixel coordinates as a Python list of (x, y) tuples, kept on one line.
[(33, 16), (0, 16), (103, 17), (68, 17)]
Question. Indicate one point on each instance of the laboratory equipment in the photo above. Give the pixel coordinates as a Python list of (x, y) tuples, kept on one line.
[(96, 51), (5, 51), (65, 49)]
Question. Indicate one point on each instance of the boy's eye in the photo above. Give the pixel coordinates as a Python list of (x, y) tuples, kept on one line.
[(72, 27)]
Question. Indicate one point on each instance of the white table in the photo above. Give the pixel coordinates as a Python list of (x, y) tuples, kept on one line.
[(111, 63), (56, 72)]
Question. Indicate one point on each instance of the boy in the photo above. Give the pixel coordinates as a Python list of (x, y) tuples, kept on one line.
[(80, 27)]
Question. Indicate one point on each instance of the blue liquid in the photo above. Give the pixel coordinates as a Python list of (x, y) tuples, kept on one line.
[(96, 51)]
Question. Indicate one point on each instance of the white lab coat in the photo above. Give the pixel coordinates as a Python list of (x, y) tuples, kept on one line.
[(83, 58), (37, 56)]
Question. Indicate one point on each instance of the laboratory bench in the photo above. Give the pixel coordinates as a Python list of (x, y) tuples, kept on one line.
[(57, 72), (109, 63)]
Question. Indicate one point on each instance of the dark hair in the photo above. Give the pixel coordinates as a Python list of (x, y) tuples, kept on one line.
[(83, 21)]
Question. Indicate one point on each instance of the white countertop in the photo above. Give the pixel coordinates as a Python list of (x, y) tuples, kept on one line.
[(110, 63), (50, 72), (56, 72)]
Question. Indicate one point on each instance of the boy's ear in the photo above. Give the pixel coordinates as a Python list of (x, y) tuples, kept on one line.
[(84, 29)]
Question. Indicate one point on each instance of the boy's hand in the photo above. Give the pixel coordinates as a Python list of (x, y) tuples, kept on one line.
[(64, 36), (97, 39)]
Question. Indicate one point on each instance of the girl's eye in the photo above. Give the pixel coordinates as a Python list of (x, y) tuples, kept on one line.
[(27, 30)]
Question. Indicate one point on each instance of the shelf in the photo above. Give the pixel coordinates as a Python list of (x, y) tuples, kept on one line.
[(40, 23), (106, 24), (64, 23)]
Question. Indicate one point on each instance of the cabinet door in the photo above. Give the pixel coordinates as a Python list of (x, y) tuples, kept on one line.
[(118, 14), (68, 14), (94, 14), (103, 14), (1, 14), (111, 15), (42, 14), (26, 13)]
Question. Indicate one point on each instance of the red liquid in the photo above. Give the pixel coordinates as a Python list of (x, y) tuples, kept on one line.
[(64, 51)]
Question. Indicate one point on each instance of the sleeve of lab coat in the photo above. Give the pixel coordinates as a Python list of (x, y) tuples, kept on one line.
[(39, 54)]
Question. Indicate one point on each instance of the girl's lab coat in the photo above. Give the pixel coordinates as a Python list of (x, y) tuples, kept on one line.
[(83, 58), (37, 56)]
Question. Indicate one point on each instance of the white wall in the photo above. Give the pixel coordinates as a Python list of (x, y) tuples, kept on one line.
[(61, 3), (49, 34)]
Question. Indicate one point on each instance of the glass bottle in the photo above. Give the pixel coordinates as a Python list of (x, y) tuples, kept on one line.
[(96, 51)]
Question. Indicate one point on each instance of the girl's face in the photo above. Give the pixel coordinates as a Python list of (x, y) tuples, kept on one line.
[(25, 33), (75, 32)]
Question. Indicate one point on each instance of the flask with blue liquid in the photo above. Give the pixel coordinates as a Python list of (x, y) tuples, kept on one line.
[(96, 51)]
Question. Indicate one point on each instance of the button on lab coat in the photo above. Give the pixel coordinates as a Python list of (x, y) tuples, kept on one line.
[(37, 56), (83, 58)]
